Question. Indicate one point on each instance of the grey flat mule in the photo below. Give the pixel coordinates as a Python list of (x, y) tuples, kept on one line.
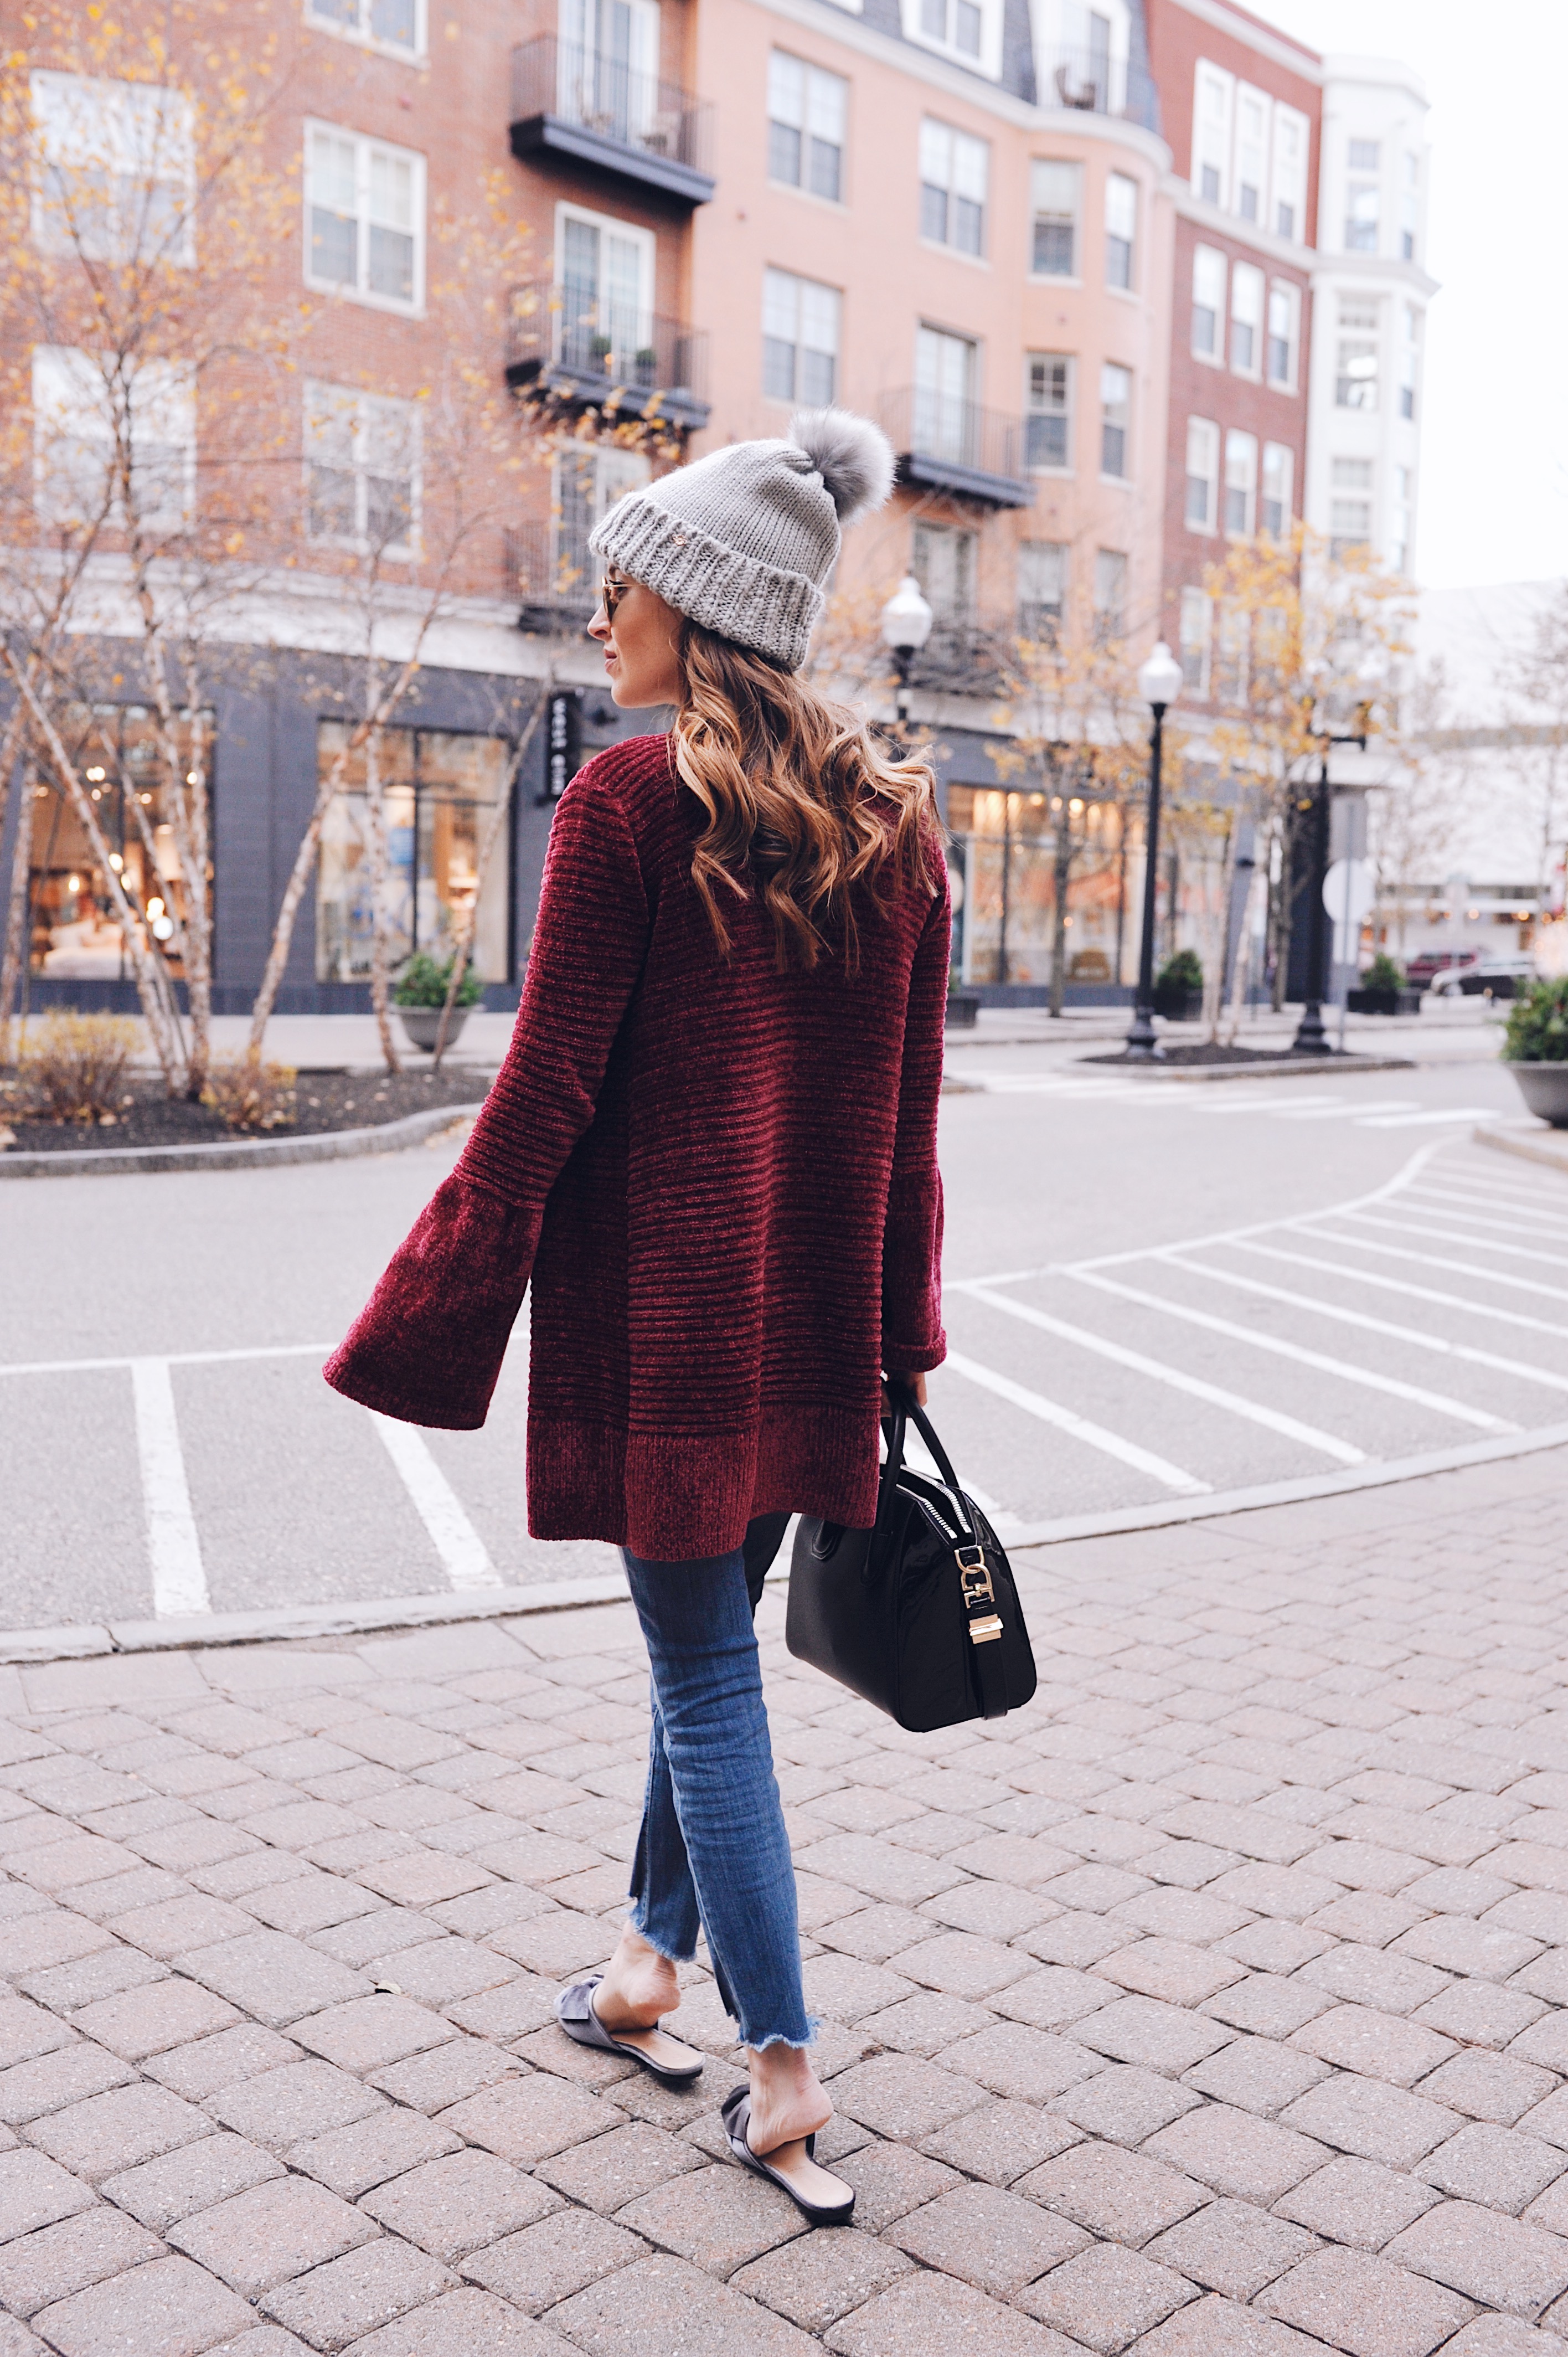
[(662, 2057)]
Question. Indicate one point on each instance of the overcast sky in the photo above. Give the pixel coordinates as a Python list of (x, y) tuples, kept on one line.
[(1494, 474)]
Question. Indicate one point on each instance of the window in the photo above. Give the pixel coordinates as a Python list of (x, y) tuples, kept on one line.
[(1355, 373), (605, 270), (88, 422), (117, 181), (585, 482), (1410, 361), (365, 218), (606, 69), (1121, 227), (439, 792), (384, 24), (1202, 475), (1207, 301), (1365, 156), (1058, 194), (1284, 328), (1409, 207), (1252, 110), (1350, 506), (1246, 319), (362, 454), (799, 338), (1404, 517), (1197, 625), (1361, 216), (1288, 213), (1214, 100), (1240, 484), (806, 112), (946, 371), (1115, 418), (1110, 593), (1047, 424), (1042, 587), (1233, 664), (954, 25), (954, 172), (944, 568), (1279, 473)]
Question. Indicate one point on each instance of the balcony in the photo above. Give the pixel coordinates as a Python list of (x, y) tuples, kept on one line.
[(556, 588), (1091, 81), (582, 104), (944, 445), (589, 354)]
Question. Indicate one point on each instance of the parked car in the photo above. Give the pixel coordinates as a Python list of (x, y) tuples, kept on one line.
[(1491, 977), (1426, 965)]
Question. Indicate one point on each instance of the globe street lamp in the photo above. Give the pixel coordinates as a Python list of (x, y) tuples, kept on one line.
[(1311, 1039), (907, 621), (1159, 684)]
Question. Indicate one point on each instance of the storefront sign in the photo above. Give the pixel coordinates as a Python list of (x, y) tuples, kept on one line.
[(563, 742)]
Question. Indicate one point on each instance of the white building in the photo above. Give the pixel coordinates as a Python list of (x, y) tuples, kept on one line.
[(1371, 290)]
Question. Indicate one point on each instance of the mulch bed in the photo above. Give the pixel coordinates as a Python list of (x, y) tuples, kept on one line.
[(1208, 1052), (323, 1100)]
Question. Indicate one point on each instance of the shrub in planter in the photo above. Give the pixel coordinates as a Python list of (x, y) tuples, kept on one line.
[(1384, 974), (1178, 986), (1381, 990), (1536, 1045), (73, 1067), (251, 1095), (422, 983)]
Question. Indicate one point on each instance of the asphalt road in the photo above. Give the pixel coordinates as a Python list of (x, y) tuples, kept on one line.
[(170, 1445)]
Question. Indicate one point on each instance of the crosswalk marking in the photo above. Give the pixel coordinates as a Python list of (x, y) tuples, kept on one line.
[(1432, 1260), (1281, 1348), (1426, 1120), (1414, 1227), (1338, 1109), (1176, 1378), (1478, 1208), (174, 1547), (456, 1541), (1110, 1444), (1414, 1292)]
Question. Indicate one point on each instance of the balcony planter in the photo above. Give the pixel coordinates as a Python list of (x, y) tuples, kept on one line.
[(1536, 1050), (422, 1024), (963, 1010)]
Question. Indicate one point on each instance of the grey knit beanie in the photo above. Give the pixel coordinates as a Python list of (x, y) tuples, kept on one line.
[(742, 540)]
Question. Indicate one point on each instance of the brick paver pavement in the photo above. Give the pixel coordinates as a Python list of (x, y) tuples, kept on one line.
[(1216, 2005)]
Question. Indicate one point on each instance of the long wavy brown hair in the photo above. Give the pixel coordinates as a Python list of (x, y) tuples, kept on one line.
[(802, 803)]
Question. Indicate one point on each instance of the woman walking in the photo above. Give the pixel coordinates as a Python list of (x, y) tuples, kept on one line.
[(712, 1148)]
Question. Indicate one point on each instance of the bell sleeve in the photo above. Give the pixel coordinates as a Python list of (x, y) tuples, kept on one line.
[(912, 1336)]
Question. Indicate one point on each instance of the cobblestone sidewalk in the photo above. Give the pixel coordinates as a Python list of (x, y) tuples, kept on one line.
[(1215, 2007)]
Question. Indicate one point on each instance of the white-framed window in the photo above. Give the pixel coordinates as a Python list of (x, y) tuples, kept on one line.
[(1279, 484), (606, 68), (1365, 156), (1213, 113), (1057, 193), (1253, 108), (1410, 359), (1042, 587), (1110, 593), (1240, 484), (605, 271), (1404, 517), (586, 480), (947, 382), (396, 26), (955, 172), (1210, 271), (1048, 417), (117, 169), (1196, 632), (808, 116), (1288, 210), (1350, 506), (361, 468), (1246, 319), (967, 31), (944, 565), (1284, 335), (1120, 229), (1232, 655), (1115, 420), (1363, 208), (364, 218), (1356, 366), (1409, 207), (88, 417), (799, 338), (1202, 508)]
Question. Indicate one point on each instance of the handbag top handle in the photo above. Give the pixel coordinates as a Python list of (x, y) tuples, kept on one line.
[(905, 1405)]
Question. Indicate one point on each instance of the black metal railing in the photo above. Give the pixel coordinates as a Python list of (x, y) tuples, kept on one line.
[(602, 94), (1091, 81), (567, 341), (956, 446)]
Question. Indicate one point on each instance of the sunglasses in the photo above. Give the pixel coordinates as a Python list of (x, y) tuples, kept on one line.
[(612, 589)]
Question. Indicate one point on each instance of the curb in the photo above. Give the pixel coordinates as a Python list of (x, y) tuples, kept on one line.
[(240, 1153), (1264, 1071), (366, 1617), (1530, 1146)]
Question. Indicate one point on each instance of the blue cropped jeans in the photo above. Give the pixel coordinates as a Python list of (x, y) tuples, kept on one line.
[(713, 1852)]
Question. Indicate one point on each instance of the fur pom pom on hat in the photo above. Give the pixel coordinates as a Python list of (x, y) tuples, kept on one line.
[(742, 540)]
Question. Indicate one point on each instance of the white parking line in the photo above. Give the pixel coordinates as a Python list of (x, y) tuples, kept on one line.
[(1481, 1207), (1303, 1357), (1430, 1260), (1110, 1444), (1412, 1292), (1289, 1426), (1428, 1120), (456, 1541), (174, 1550), (1409, 1226), (1340, 1112), (1413, 1335), (170, 1359)]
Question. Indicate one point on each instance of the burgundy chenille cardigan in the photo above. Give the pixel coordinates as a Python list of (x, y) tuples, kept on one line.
[(722, 1180)]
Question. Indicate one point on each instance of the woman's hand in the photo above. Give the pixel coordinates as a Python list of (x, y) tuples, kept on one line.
[(916, 1384)]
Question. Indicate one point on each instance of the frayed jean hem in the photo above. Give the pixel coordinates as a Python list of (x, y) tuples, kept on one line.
[(777, 2038)]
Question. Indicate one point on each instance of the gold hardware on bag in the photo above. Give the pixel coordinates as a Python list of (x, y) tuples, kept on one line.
[(985, 1632), (973, 1578)]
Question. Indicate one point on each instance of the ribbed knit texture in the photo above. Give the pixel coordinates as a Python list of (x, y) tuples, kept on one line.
[(721, 1178)]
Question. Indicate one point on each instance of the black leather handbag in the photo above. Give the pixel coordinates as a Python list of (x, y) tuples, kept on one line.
[(920, 1614)]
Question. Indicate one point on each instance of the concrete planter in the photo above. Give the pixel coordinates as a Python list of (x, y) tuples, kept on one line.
[(963, 1010), (1544, 1088), (1177, 1005), (422, 1023), (1384, 1002)]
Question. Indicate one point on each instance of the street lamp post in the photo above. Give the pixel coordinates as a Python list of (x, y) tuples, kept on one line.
[(907, 621), (1311, 1039), (1159, 684)]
